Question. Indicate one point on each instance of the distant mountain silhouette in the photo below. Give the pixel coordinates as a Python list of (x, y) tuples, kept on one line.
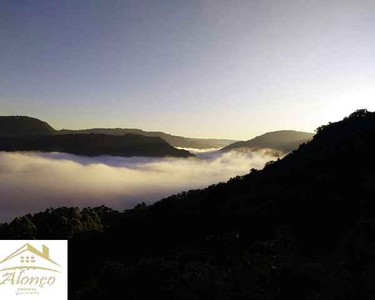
[(24, 126), (94, 145), (175, 141), (283, 140), (301, 228)]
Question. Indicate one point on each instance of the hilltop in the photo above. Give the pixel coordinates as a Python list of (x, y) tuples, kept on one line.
[(24, 126), (283, 140)]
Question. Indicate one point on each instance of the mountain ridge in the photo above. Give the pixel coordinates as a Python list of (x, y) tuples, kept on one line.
[(94, 145), (174, 140), (28, 126), (282, 140)]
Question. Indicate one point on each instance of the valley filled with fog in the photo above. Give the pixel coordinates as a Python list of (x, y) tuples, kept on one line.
[(32, 181)]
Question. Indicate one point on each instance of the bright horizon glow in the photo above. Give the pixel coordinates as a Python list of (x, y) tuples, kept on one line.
[(205, 69)]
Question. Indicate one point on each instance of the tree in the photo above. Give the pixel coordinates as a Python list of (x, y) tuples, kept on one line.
[(359, 113), (23, 228)]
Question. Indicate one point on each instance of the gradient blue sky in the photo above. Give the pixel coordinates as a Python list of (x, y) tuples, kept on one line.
[(230, 69)]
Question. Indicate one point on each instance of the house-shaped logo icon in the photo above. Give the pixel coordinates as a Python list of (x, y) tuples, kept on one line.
[(37, 269), (28, 257)]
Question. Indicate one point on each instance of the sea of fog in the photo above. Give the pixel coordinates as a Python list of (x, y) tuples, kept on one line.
[(31, 182)]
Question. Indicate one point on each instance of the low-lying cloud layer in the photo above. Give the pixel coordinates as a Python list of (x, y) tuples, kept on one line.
[(32, 182)]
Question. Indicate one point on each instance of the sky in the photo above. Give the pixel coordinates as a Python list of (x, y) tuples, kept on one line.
[(197, 68)]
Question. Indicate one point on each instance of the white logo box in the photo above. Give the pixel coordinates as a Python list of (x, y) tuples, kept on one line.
[(34, 269)]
